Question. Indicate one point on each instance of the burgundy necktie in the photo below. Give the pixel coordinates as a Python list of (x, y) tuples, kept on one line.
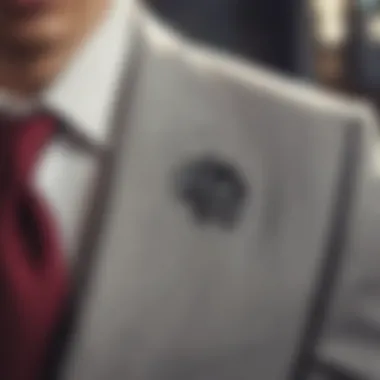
[(33, 275)]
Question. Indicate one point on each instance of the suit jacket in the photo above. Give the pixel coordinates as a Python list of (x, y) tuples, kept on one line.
[(288, 291)]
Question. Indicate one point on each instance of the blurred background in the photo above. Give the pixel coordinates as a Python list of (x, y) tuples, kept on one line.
[(335, 43)]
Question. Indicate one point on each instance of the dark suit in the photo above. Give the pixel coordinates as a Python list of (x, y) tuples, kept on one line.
[(264, 31)]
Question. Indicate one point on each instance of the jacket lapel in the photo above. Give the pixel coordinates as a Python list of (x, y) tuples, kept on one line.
[(94, 224)]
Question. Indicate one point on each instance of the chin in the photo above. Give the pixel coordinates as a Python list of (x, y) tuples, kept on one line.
[(36, 45), (45, 31)]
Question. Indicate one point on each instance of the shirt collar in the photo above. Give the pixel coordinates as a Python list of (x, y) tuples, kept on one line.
[(85, 92)]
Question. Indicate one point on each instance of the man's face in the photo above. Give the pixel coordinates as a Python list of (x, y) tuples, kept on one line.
[(38, 26)]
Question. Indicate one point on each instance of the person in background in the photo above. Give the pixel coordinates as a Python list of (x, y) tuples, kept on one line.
[(263, 31), (170, 212), (211, 22)]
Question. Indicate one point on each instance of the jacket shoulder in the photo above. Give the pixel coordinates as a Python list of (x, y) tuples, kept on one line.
[(208, 64)]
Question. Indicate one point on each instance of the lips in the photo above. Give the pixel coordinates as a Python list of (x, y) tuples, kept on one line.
[(22, 6)]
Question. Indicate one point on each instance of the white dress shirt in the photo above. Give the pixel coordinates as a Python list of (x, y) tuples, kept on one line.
[(85, 94)]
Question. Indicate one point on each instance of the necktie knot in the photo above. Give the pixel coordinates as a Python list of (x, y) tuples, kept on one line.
[(22, 140)]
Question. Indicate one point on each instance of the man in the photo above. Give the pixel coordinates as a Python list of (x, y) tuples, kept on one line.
[(169, 213)]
